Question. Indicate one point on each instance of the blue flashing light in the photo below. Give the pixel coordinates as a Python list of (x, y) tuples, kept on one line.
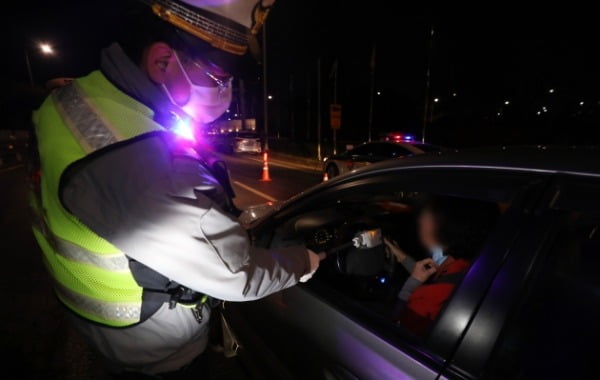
[(408, 137), (183, 128), (382, 280)]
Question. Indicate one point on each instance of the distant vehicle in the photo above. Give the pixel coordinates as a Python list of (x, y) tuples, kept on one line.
[(238, 142), (369, 153), (527, 308)]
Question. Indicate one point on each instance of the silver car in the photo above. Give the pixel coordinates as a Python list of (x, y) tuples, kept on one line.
[(245, 142), (368, 153), (526, 307)]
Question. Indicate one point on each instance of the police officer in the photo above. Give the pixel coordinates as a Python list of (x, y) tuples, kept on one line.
[(134, 228)]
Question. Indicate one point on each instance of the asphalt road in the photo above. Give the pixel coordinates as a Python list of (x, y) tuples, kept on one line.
[(35, 339), (246, 171)]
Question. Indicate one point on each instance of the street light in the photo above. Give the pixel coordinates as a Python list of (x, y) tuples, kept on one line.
[(581, 103), (454, 94), (506, 102), (46, 48), (551, 91), (270, 97), (435, 100), (378, 92)]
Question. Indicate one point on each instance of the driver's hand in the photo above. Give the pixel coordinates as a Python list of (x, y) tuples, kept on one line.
[(314, 260), (424, 269), (392, 248)]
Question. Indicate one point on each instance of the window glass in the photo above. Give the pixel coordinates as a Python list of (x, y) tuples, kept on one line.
[(362, 150), (367, 283), (247, 135), (558, 315)]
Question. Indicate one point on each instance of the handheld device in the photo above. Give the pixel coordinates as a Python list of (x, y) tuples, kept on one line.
[(362, 240)]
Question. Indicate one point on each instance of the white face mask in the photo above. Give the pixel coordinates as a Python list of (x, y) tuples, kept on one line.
[(205, 104), (437, 254)]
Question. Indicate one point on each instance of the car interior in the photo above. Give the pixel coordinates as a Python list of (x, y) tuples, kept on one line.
[(368, 277)]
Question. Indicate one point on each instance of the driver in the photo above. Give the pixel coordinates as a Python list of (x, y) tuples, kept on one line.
[(453, 230)]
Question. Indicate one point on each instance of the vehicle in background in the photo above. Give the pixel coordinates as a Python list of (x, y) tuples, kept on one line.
[(369, 153), (527, 307), (237, 142)]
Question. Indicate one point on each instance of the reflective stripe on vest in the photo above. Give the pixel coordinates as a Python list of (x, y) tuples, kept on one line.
[(120, 313), (83, 119), (92, 276), (71, 251)]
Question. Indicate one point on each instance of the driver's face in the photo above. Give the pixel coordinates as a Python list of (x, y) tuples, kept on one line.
[(427, 227)]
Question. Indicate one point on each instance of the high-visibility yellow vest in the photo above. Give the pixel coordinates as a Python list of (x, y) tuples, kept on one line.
[(92, 277)]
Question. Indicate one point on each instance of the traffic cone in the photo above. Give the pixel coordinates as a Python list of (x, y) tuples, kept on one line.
[(325, 177), (265, 171)]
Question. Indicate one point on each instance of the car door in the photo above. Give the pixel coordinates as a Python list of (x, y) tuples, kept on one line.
[(540, 317), (318, 330)]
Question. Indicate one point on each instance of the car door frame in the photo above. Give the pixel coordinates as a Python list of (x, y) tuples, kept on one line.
[(479, 341), (445, 334)]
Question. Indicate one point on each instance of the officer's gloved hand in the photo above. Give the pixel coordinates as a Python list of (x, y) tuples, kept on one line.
[(314, 260)]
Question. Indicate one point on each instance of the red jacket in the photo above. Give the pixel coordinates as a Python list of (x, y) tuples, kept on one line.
[(426, 302)]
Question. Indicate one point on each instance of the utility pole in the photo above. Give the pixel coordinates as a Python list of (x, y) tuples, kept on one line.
[(371, 93), (308, 107), (319, 157), (265, 89), (292, 109), (242, 101), (427, 108), (28, 64), (335, 101)]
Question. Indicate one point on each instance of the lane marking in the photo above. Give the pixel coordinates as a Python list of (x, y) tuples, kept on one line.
[(11, 168), (256, 192), (300, 168)]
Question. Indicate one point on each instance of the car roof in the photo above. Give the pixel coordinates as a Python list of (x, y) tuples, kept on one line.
[(571, 160), (405, 144)]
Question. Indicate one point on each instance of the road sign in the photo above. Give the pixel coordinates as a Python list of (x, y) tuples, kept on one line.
[(335, 116)]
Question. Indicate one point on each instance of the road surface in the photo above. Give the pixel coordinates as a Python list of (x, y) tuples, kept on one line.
[(246, 172), (35, 340)]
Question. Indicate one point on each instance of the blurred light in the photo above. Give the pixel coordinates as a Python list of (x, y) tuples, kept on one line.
[(499, 114), (46, 48), (235, 115), (506, 102), (270, 97), (382, 280), (581, 103), (400, 137), (183, 128), (551, 91), (378, 92), (544, 109), (454, 94), (539, 112), (435, 100), (227, 111)]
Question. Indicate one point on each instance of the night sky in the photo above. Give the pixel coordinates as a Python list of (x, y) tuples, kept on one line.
[(486, 55)]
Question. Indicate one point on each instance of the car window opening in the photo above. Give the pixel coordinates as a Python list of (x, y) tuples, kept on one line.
[(374, 279)]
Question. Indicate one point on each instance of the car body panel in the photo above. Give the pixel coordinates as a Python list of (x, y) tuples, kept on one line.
[(309, 334), (340, 348), (367, 154)]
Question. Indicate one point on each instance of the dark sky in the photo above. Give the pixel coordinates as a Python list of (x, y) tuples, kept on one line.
[(485, 53)]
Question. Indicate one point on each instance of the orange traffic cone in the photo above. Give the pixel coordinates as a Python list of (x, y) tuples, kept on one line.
[(265, 171), (325, 177)]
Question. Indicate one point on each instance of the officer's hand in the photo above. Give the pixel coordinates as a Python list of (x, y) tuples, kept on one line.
[(314, 260), (424, 269)]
